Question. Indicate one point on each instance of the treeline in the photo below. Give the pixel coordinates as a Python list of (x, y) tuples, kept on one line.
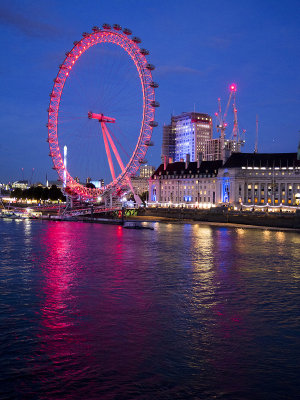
[(39, 193)]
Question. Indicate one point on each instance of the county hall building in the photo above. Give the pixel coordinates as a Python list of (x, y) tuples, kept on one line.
[(256, 179)]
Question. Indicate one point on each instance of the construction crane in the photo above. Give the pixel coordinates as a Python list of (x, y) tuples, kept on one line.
[(221, 118), (236, 136), (221, 123)]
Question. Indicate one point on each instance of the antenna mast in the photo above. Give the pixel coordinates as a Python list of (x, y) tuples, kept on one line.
[(256, 137)]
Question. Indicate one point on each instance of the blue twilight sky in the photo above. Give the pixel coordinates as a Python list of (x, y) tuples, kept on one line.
[(198, 47)]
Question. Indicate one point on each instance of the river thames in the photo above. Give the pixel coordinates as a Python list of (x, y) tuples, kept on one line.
[(184, 311)]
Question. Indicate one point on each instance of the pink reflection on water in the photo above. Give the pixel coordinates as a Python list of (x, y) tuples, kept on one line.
[(96, 315)]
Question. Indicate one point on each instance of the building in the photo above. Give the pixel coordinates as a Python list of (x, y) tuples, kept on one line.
[(260, 179), (98, 183), (187, 134), (187, 182), (139, 184), (220, 149), (146, 171), (168, 142), (252, 179), (20, 185)]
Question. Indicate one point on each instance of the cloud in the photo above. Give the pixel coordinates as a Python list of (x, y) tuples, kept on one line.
[(25, 25), (178, 69), (218, 42)]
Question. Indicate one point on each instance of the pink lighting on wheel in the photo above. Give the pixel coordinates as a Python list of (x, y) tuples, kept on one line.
[(130, 46), (100, 117)]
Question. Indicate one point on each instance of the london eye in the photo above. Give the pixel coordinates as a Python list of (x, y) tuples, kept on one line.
[(101, 112)]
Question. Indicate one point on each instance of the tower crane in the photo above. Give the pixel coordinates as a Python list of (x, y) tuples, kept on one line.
[(221, 118), (221, 123), (236, 136)]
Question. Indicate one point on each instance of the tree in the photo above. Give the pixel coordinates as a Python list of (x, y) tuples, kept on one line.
[(55, 193), (144, 196), (17, 193)]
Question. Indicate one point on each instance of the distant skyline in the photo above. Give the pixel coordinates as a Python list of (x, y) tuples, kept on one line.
[(198, 47)]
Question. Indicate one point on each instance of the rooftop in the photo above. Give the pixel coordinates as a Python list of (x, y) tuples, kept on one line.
[(279, 160), (177, 168)]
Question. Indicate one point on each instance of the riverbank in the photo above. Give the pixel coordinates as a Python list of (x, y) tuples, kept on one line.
[(224, 217)]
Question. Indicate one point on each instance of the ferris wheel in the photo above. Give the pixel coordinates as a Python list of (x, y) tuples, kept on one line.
[(134, 140)]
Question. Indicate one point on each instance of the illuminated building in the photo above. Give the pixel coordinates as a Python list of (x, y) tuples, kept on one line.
[(146, 171), (260, 179), (185, 183), (140, 184), (20, 184), (187, 134), (98, 184), (256, 179)]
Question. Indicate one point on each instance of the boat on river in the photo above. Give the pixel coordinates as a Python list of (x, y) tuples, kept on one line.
[(136, 225)]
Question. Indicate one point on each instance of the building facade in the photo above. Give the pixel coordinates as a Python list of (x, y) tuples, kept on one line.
[(146, 171), (168, 142), (187, 134), (185, 183), (252, 179), (20, 185), (140, 184), (220, 149), (260, 179)]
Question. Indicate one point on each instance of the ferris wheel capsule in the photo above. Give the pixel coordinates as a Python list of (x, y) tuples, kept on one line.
[(144, 52), (106, 26), (149, 143), (127, 31), (151, 67), (117, 27), (136, 39), (154, 85)]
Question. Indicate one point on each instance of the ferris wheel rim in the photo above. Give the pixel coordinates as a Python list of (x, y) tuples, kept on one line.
[(137, 55)]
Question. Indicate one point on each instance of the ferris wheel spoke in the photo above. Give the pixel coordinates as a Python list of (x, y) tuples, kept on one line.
[(119, 143), (114, 149), (107, 149)]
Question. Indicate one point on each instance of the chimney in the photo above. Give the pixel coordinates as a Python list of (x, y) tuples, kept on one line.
[(187, 161), (166, 162), (199, 159)]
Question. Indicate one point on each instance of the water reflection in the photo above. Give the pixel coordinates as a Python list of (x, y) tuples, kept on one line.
[(94, 310), (184, 311)]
